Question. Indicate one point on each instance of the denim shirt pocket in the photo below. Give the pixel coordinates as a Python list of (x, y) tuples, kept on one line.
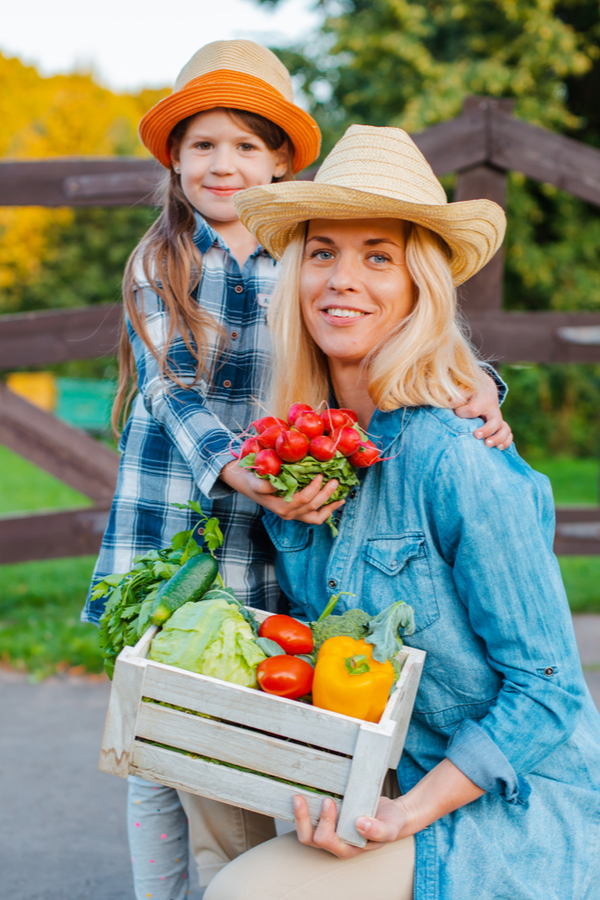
[(399, 570), (292, 541)]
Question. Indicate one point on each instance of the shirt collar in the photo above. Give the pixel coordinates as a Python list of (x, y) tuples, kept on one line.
[(206, 237)]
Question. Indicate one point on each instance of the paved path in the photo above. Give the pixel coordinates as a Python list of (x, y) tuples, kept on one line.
[(62, 823)]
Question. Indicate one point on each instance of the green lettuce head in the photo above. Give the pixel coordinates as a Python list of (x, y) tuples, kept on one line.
[(210, 637)]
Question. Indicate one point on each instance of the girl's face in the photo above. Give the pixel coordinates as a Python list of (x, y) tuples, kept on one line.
[(217, 158), (354, 284)]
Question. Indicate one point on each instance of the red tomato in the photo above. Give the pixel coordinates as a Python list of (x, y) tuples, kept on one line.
[(322, 448), (268, 437), (250, 445), (267, 463), (285, 676), (266, 422), (310, 424), (333, 419), (291, 635), (347, 440), (296, 409), (351, 414), (365, 456), (291, 446)]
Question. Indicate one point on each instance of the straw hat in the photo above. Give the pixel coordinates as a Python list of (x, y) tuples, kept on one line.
[(236, 75), (375, 173)]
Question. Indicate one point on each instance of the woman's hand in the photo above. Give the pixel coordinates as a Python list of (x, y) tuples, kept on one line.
[(391, 823), (485, 405), (307, 505)]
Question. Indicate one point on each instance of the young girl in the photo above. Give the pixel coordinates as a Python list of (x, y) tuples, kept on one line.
[(196, 292)]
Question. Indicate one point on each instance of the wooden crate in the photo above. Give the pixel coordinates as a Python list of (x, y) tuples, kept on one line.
[(274, 739)]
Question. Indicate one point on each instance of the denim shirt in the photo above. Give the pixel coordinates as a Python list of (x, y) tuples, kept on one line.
[(464, 534)]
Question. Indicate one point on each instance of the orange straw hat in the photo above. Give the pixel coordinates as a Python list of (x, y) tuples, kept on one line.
[(235, 75), (375, 173)]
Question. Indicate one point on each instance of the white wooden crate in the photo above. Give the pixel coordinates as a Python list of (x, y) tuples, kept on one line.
[(273, 737)]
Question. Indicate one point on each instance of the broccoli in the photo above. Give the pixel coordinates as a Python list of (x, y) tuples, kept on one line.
[(354, 623)]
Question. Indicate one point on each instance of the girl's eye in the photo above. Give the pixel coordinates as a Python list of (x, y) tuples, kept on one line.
[(247, 147), (204, 145)]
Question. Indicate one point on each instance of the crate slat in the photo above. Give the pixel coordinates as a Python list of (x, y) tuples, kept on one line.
[(252, 708), (402, 710), (125, 697), (232, 744), (263, 795), (367, 774)]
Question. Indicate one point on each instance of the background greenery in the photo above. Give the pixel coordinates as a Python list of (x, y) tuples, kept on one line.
[(408, 63)]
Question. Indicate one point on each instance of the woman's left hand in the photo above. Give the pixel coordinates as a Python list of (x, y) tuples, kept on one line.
[(390, 823), (485, 405)]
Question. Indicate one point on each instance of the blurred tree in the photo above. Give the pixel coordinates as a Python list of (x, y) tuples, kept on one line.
[(411, 63), (65, 257)]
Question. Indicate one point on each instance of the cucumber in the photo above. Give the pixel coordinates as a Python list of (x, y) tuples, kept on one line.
[(190, 583)]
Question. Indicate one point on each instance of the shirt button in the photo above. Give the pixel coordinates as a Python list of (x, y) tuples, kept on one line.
[(332, 583), (239, 289), (227, 383), (235, 335), (352, 494), (549, 671)]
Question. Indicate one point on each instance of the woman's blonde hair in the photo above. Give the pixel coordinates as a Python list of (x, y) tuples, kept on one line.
[(172, 265), (425, 359)]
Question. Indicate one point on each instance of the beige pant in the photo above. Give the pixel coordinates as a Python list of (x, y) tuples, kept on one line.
[(238, 849)]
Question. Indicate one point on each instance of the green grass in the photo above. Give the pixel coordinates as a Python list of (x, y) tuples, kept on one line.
[(40, 602), (24, 487)]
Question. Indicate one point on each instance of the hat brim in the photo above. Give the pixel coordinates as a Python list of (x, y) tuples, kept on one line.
[(473, 229), (233, 90)]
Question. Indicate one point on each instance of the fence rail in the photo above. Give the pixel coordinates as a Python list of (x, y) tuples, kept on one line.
[(481, 145)]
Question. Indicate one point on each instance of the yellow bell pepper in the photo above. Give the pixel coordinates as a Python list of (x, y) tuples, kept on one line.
[(348, 680)]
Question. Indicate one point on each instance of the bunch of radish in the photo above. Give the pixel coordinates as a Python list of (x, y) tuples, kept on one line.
[(292, 453)]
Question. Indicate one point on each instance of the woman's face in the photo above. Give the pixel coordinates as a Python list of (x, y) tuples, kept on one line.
[(217, 158), (354, 284)]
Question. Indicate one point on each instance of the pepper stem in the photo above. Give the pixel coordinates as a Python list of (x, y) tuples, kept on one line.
[(357, 665)]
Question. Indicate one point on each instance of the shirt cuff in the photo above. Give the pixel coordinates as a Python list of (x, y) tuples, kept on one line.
[(480, 759), (207, 476), (500, 384)]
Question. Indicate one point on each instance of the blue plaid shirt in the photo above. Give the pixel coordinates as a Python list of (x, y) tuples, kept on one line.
[(177, 440)]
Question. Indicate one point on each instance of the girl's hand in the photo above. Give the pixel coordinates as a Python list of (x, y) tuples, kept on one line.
[(307, 505), (485, 405), (390, 823)]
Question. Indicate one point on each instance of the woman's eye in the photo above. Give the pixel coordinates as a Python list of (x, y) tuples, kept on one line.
[(378, 258), (322, 254)]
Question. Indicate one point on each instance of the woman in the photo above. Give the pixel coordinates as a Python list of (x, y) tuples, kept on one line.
[(500, 776)]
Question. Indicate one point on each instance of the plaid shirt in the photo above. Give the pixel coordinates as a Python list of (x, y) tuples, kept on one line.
[(177, 440)]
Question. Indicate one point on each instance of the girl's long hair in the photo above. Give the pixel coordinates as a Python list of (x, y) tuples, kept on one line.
[(425, 359), (169, 262)]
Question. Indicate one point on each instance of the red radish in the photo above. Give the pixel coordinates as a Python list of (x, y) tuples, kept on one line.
[(250, 445), (365, 456), (296, 409), (292, 446), (351, 414), (333, 419), (268, 437), (310, 424), (267, 463), (322, 448), (347, 440), (266, 422)]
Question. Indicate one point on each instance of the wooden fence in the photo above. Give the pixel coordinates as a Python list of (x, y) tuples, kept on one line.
[(481, 146)]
